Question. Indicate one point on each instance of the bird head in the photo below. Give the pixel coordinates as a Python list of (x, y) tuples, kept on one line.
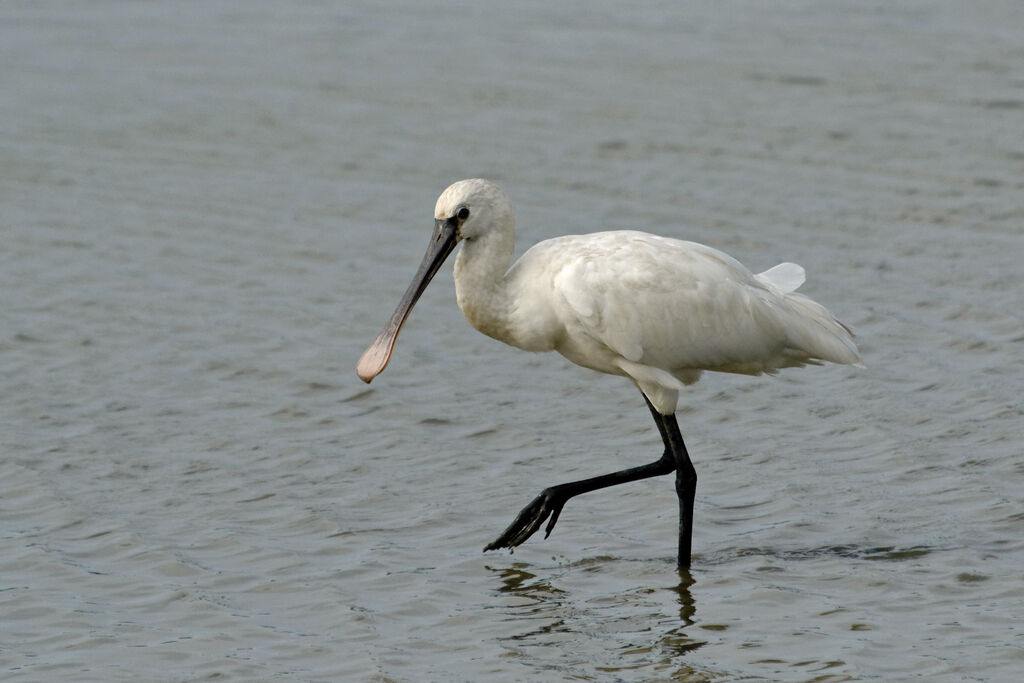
[(475, 206), (467, 210)]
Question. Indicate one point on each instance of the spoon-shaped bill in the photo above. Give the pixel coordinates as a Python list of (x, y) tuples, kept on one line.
[(376, 357)]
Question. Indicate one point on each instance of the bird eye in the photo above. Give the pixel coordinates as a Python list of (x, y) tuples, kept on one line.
[(463, 213)]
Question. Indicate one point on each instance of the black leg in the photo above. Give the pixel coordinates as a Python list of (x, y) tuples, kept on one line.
[(551, 500), (686, 481)]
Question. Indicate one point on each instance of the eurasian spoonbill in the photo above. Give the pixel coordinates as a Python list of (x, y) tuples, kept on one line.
[(657, 310)]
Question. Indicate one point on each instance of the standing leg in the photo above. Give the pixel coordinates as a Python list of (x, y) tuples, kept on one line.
[(686, 480), (552, 499)]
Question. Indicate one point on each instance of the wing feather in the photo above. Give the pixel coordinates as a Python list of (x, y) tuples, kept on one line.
[(624, 301)]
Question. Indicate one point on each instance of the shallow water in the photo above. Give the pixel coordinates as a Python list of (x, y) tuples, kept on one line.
[(209, 212)]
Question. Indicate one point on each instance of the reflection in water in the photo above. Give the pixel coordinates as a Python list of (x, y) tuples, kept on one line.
[(545, 601), (569, 620), (576, 610), (677, 642), (687, 606), (516, 579)]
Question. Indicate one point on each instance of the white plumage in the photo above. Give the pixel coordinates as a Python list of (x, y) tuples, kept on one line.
[(657, 310), (654, 309)]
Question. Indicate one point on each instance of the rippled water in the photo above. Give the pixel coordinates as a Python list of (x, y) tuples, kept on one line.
[(210, 209)]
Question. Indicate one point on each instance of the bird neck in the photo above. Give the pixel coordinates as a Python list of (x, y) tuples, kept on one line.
[(480, 285)]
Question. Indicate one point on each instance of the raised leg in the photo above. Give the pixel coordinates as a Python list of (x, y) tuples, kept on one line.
[(551, 500)]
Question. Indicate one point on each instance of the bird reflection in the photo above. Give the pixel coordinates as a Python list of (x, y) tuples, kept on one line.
[(661, 637), (677, 642), (517, 580), (687, 605)]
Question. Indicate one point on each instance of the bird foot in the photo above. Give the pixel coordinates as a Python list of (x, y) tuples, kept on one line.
[(528, 521)]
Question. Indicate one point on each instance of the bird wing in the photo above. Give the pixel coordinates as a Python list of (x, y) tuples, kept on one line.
[(661, 311), (681, 307), (653, 300)]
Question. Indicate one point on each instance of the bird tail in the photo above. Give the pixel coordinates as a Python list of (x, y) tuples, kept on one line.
[(814, 331), (820, 335), (786, 277)]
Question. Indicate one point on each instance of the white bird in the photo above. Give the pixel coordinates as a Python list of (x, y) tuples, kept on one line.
[(656, 310)]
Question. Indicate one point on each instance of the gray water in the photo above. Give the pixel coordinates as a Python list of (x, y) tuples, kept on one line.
[(209, 210)]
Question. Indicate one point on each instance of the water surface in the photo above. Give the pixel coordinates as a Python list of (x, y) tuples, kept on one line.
[(209, 211)]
